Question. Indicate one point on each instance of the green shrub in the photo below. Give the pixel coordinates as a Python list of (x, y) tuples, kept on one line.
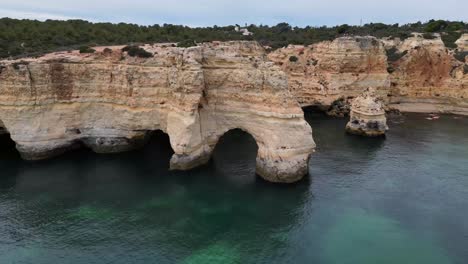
[(186, 43), (450, 38), (455, 26), (394, 55), (86, 49), (293, 59), (135, 51), (461, 55), (429, 36), (40, 37), (436, 26), (404, 35), (342, 29)]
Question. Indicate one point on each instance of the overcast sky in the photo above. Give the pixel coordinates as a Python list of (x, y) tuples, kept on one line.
[(226, 12)]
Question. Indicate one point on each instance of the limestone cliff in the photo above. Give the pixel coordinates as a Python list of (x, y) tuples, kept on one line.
[(367, 115), (330, 70), (428, 78), (110, 101), (417, 74), (462, 43)]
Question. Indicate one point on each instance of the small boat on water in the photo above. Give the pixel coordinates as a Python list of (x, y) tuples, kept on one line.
[(433, 117)]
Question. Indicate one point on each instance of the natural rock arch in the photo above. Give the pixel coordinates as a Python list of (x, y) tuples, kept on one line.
[(194, 95), (270, 161), (229, 132), (234, 145)]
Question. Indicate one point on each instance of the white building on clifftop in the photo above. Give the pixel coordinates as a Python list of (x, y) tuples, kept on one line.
[(244, 31)]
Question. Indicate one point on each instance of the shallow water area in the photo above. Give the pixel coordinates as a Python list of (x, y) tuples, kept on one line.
[(398, 199)]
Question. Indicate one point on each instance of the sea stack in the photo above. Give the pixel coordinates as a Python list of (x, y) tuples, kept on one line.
[(367, 116)]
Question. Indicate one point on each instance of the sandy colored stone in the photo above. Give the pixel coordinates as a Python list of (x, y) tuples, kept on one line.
[(462, 42), (367, 116), (428, 79), (330, 70), (109, 102)]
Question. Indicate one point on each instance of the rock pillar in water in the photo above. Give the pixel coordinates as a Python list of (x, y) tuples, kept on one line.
[(367, 116)]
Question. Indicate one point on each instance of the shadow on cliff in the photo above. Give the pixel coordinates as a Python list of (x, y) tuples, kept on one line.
[(7, 148), (85, 169), (9, 161)]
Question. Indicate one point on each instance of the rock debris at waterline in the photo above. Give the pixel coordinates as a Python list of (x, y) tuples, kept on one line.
[(367, 115), (411, 75)]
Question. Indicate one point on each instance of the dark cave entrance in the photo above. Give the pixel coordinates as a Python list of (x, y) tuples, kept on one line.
[(7, 145), (234, 156), (158, 149)]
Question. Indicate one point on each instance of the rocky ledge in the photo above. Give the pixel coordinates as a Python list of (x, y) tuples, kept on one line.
[(367, 116), (110, 102), (418, 74)]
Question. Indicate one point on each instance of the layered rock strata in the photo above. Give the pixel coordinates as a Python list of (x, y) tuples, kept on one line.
[(334, 70), (367, 116), (462, 43), (428, 78), (110, 101), (414, 75)]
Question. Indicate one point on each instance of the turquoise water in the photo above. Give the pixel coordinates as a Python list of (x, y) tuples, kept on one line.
[(402, 199)]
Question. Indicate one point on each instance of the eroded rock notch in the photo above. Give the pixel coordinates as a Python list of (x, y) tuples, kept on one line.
[(110, 101)]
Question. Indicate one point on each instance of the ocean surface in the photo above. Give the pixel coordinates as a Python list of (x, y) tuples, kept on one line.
[(399, 199)]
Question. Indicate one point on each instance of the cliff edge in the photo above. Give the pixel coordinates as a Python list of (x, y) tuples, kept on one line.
[(110, 101), (418, 74)]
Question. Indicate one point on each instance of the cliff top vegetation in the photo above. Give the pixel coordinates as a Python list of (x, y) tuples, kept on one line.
[(32, 38)]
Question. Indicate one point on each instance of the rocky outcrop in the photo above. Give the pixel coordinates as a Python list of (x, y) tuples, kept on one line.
[(367, 117), (340, 107), (110, 101), (415, 75), (428, 78), (462, 43), (333, 70)]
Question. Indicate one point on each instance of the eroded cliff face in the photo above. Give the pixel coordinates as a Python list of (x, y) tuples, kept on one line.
[(428, 78), (109, 102), (417, 74), (330, 70), (462, 43), (367, 117)]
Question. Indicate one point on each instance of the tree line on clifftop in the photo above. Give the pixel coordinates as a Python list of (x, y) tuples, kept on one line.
[(32, 38)]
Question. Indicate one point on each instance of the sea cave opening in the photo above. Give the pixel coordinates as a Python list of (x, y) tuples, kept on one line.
[(158, 150), (234, 156), (7, 145)]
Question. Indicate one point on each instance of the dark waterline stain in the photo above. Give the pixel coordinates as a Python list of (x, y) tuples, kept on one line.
[(401, 199)]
